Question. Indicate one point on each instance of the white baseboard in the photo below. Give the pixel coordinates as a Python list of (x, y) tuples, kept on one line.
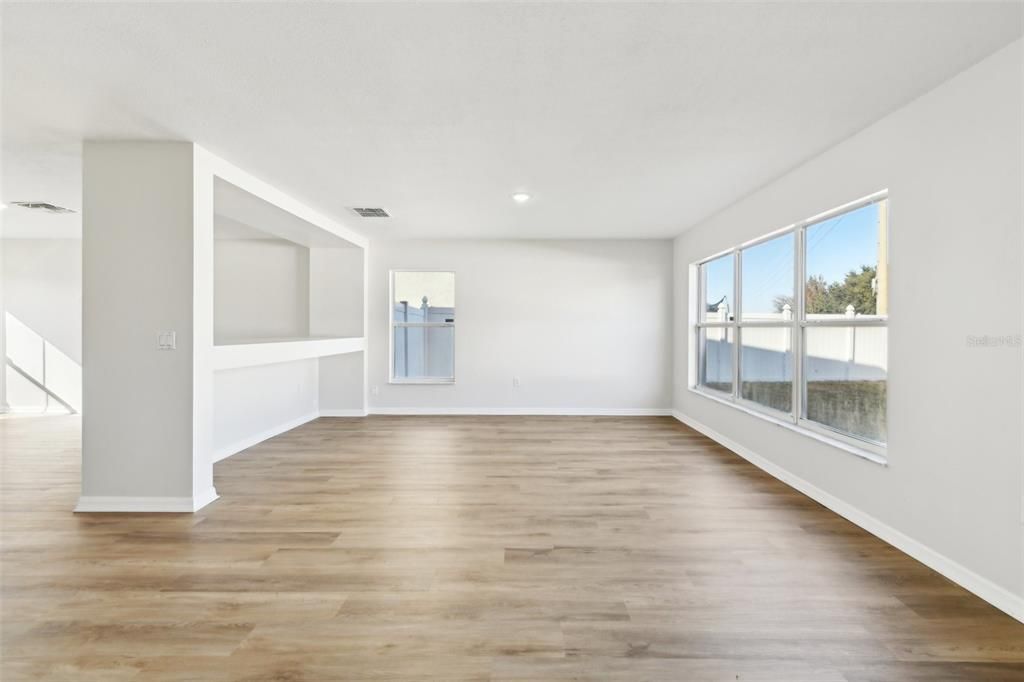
[(249, 441), (35, 411), (343, 413), (997, 596), (527, 411), (186, 505), (204, 498)]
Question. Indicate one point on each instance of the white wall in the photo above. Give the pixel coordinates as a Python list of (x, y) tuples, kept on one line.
[(337, 279), (42, 291), (42, 281), (952, 163), (245, 411), (336, 292), (261, 290), (585, 325)]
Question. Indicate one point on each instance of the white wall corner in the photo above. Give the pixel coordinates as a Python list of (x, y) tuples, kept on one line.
[(997, 596)]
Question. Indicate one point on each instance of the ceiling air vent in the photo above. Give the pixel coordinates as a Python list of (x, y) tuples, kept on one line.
[(371, 212), (42, 206)]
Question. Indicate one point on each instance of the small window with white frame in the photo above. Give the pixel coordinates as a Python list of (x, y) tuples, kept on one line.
[(422, 307), (794, 325)]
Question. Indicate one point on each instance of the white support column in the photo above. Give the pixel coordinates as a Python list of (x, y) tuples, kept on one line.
[(4, 407), (3, 337), (142, 441), (148, 275)]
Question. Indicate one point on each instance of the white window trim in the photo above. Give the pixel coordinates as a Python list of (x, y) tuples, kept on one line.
[(862, 447), (392, 324)]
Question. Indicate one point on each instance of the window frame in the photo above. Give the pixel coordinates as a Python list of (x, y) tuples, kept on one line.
[(796, 418), (393, 324)]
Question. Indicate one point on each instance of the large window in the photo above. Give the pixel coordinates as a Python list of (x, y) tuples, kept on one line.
[(793, 325), (422, 327)]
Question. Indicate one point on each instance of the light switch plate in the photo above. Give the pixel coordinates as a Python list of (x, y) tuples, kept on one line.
[(166, 341)]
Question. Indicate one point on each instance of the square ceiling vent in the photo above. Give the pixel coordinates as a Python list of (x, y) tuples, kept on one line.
[(372, 212)]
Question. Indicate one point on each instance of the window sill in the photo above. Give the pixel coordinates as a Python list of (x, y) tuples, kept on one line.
[(421, 381), (790, 426)]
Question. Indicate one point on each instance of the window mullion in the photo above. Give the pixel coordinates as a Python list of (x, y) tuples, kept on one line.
[(702, 309), (421, 325), (737, 276), (698, 371), (848, 322), (698, 357), (796, 333)]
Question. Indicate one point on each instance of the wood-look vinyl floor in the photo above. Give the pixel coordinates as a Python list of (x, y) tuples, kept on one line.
[(471, 548)]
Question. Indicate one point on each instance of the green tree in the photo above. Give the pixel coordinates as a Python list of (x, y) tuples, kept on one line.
[(821, 297), (818, 295), (857, 289)]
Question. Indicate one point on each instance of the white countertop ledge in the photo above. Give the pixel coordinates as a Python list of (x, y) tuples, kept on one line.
[(253, 352)]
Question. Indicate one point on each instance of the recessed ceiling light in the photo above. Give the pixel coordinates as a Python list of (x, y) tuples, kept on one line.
[(521, 197)]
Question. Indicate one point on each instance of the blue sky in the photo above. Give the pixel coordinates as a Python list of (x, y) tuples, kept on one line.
[(834, 247)]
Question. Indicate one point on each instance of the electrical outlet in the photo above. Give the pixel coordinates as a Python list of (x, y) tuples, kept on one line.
[(375, 390), (515, 382)]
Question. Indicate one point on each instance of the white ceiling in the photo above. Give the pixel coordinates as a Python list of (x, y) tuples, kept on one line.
[(623, 120)]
